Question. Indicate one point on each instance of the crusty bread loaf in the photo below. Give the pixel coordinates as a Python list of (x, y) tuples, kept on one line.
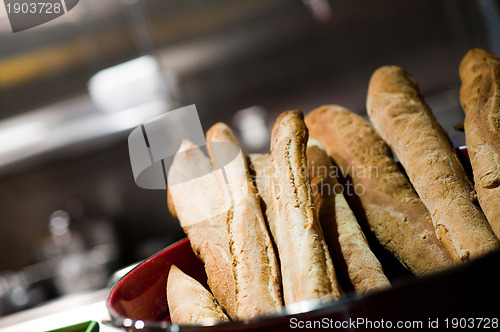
[(340, 227), (306, 265), (194, 193), (480, 98), (261, 164), (399, 114), (255, 266), (189, 302), (393, 210)]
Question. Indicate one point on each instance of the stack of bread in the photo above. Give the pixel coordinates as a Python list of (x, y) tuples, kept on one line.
[(280, 228)]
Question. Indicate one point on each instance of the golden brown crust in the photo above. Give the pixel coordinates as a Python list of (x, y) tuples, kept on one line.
[(208, 235), (400, 115), (261, 163), (255, 266), (306, 265), (480, 98), (393, 210), (189, 302), (340, 227)]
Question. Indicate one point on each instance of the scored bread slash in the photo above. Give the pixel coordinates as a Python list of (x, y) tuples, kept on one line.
[(403, 119), (387, 200), (189, 302), (306, 265), (255, 266), (196, 190), (480, 99), (340, 227)]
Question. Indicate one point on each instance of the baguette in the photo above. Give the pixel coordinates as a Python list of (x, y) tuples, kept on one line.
[(339, 224), (359, 280), (255, 267), (195, 193), (480, 98), (306, 265), (391, 207), (261, 164), (189, 302), (399, 114)]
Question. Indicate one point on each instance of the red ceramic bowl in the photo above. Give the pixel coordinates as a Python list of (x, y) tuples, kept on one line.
[(138, 301), (460, 295)]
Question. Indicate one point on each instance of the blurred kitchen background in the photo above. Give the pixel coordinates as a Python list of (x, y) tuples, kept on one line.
[(73, 89)]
